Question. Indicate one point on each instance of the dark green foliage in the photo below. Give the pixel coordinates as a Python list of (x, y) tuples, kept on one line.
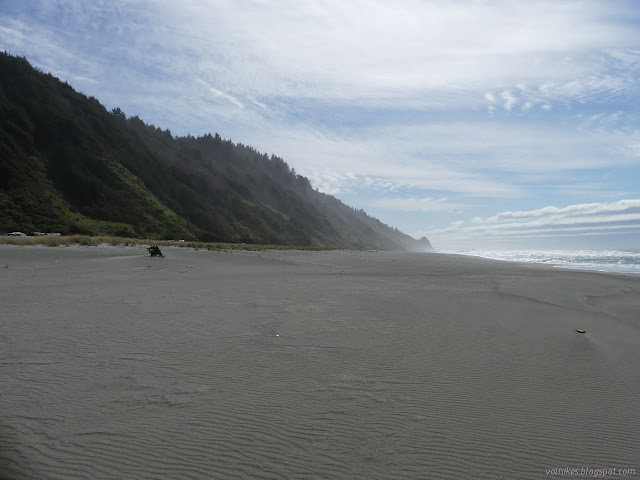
[(69, 165)]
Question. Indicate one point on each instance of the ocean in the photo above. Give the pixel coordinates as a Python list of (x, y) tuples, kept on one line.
[(616, 261)]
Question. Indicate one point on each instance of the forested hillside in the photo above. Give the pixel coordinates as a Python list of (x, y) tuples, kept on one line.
[(68, 165)]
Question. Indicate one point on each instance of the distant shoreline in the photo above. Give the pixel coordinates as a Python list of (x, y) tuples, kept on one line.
[(87, 240)]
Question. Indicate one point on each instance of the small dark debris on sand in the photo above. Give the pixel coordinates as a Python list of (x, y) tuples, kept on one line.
[(154, 251)]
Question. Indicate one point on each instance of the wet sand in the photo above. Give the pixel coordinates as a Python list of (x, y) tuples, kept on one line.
[(309, 365)]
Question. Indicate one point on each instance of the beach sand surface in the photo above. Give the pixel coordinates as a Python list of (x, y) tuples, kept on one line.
[(311, 365)]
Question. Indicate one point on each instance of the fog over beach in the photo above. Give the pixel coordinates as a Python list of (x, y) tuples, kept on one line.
[(340, 364)]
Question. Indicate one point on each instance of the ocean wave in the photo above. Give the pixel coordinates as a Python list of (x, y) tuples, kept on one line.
[(618, 261)]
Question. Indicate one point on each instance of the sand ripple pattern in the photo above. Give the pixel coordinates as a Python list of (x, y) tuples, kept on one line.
[(366, 365)]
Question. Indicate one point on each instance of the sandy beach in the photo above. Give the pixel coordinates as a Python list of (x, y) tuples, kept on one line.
[(311, 365)]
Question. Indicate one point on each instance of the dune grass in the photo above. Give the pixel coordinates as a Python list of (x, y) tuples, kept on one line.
[(106, 240)]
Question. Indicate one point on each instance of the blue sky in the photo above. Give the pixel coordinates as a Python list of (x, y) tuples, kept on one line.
[(478, 124)]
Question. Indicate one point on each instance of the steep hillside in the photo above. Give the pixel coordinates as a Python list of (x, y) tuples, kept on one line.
[(69, 165)]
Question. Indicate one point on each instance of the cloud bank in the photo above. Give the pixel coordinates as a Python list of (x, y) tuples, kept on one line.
[(592, 219)]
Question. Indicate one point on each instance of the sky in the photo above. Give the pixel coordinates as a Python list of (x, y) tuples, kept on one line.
[(479, 124)]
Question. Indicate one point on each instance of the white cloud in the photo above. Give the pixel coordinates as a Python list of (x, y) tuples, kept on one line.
[(571, 210), (490, 97), (226, 96), (389, 158), (413, 204), (573, 220), (258, 103), (459, 157), (378, 48), (363, 48), (509, 100)]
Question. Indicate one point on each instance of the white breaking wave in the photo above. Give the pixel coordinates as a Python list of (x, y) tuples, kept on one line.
[(618, 261)]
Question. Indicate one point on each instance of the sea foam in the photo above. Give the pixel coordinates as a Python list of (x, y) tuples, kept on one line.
[(617, 261)]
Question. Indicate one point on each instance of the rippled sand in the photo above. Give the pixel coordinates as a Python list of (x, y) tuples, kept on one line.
[(311, 365)]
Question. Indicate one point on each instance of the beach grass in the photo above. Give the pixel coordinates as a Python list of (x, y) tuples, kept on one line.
[(86, 240)]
